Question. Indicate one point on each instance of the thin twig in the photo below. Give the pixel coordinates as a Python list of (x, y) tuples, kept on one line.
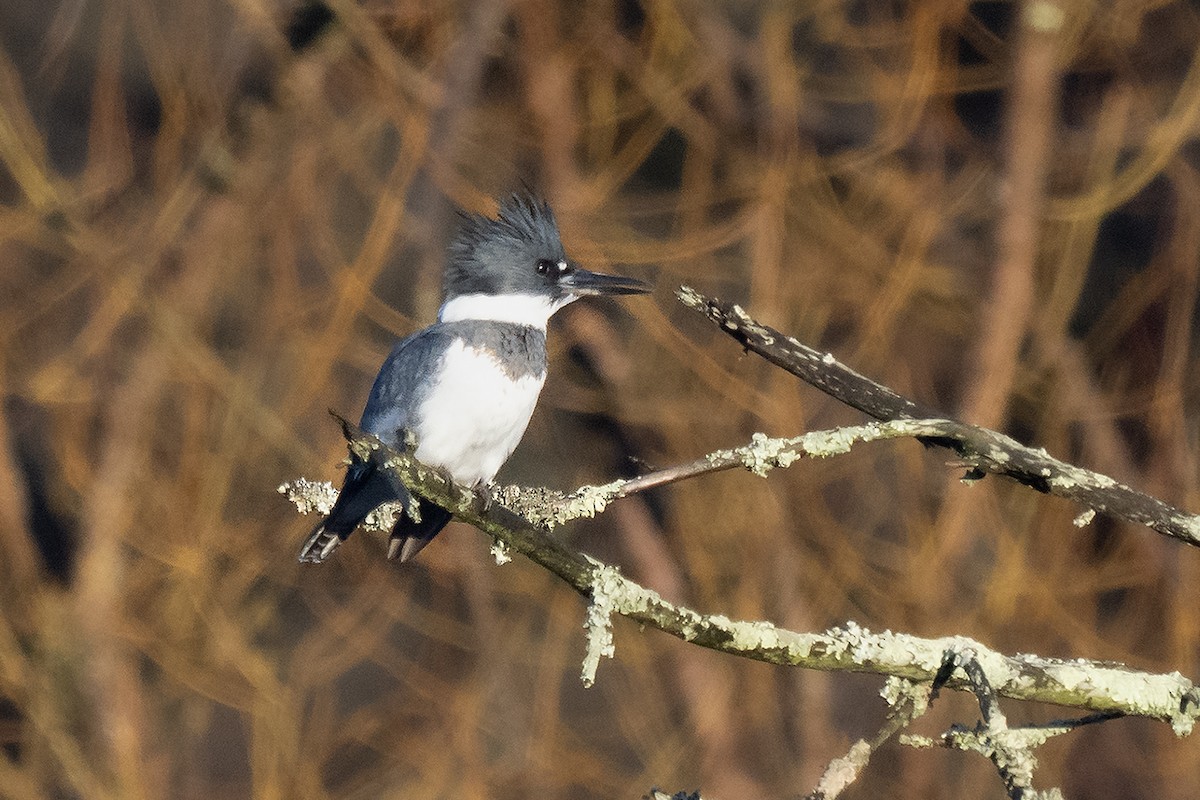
[(909, 701), (761, 455)]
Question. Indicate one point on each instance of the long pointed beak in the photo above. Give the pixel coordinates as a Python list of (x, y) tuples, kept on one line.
[(582, 281)]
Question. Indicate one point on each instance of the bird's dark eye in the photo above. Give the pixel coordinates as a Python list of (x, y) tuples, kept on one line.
[(544, 265)]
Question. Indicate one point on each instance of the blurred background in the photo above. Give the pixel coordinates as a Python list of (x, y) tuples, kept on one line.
[(218, 215)]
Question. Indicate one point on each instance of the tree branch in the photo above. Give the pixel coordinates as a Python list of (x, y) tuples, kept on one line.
[(1091, 685), (908, 700), (1010, 749), (761, 455), (984, 450)]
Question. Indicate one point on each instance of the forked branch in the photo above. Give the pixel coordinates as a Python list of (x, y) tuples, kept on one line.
[(984, 451), (1091, 685), (918, 666)]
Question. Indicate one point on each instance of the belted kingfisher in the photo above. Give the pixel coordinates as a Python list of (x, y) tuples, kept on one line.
[(462, 390)]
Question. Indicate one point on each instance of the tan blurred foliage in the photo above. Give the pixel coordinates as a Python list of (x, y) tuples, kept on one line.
[(209, 235)]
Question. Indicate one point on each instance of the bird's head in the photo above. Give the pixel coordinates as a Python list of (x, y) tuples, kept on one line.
[(514, 269)]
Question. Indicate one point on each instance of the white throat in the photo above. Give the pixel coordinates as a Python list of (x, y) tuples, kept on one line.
[(522, 309)]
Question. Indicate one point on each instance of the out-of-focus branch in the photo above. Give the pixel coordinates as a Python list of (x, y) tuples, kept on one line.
[(1005, 317), (984, 451), (1092, 685)]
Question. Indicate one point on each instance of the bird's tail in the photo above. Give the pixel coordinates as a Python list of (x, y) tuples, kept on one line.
[(409, 535), (364, 490), (319, 545)]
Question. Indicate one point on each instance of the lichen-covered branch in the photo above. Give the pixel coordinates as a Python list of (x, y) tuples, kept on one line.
[(1096, 686), (984, 451), (908, 701), (760, 455), (1009, 748)]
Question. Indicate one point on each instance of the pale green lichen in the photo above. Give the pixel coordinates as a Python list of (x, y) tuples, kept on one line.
[(753, 635), (916, 741), (548, 508), (384, 517), (588, 501), (535, 503), (1169, 697), (1184, 719), (309, 496), (606, 586), (749, 636), (1094, 685), (500, 552), (1189, 523), (896, 690), (1065, 476), (762, 454), (611, 593), (318, 497), (693, 627), (843, 770), (457, 497), (765, 453), (1084, 518), (824, 444), (1010, 750)]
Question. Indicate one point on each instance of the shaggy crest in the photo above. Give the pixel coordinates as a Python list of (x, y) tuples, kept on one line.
[(524, 231)]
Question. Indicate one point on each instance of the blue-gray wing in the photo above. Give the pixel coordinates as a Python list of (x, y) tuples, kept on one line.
[(403, 383)]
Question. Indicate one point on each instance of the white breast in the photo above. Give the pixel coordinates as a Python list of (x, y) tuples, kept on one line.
[(473, 419)]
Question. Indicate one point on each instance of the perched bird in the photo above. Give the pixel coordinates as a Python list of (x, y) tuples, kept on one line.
[(462, 390)]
